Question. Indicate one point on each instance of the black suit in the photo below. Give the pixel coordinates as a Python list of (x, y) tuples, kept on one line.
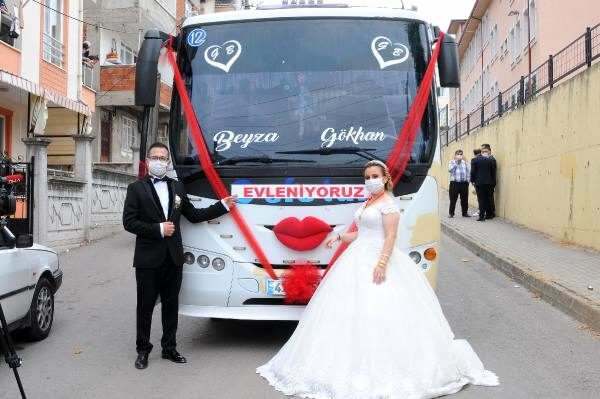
[(159, 261), (483, 177), (493, 203)]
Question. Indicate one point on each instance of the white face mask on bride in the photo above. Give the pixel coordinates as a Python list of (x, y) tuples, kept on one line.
[(374, 186)]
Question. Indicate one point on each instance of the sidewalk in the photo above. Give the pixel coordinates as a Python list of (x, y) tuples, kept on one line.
[(559, 274)]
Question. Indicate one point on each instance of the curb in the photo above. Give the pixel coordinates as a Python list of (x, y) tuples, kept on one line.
[(564, 299)]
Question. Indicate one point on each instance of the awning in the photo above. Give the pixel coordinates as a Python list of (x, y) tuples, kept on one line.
[(34, 88)]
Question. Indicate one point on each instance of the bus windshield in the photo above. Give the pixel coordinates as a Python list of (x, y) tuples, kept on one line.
[(307, 91)]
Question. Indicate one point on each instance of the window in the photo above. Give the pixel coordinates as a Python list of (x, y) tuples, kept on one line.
[(52, 36), (494, 42), (515, 42), (127, 55), (128, 134), (5, 24), (163, 134), (532, 19), (518, 37)]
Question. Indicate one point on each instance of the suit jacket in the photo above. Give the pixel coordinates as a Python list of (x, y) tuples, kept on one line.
[(142, 215), (483, 171)]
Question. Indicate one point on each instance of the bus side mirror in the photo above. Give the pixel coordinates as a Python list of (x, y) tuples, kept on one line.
[(24, 241), (146, 68), (448, 63)]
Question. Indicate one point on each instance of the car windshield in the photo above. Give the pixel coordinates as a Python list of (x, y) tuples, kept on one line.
[(329, 91)]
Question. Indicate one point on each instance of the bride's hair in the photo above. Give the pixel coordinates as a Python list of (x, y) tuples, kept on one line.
[(384, 169)]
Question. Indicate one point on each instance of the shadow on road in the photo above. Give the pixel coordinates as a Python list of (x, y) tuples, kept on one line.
[(218, 333)]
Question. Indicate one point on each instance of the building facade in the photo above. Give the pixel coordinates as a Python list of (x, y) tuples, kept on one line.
[(503, 40), (41, 78), (115, 34)]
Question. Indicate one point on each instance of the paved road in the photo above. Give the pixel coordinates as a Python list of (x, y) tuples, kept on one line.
[(537, 351)]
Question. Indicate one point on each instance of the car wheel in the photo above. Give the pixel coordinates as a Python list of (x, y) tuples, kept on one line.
[(41, 312)]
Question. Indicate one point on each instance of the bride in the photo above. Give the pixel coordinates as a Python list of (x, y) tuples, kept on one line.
[(374, 328)]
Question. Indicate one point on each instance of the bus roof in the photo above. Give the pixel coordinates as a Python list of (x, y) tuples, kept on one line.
[(303, 12)]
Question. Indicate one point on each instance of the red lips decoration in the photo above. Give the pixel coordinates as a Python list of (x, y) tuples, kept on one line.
[(301, 235)]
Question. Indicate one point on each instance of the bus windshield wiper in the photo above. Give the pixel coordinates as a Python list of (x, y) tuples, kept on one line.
[(262, 159), (361, 152)]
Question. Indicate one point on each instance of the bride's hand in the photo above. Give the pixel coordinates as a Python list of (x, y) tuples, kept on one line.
[(331, 242), (379, 275)]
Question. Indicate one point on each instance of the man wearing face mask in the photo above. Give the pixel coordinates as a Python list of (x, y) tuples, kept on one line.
[(459, 183), (153, 209)]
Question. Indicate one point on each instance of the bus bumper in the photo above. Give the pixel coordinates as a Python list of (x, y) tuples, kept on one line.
[(246, 312)]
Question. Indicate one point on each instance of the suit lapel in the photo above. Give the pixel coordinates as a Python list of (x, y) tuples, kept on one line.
[(171, 198), (149, 188)]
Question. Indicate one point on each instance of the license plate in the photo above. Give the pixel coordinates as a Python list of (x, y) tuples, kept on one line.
[(275, 288)]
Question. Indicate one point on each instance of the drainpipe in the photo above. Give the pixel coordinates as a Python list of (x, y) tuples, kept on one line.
[(79, 58)]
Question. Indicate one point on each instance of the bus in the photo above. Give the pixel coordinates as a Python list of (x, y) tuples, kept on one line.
[(293, 98)]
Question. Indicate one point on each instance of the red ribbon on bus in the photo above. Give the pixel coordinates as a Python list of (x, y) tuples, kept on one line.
[(400, 154), (207, 166), (397, 160)]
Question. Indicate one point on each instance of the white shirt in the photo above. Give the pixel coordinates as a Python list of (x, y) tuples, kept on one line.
[(162, 190)]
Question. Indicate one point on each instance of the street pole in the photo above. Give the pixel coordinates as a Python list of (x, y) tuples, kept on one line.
[(529, 49)]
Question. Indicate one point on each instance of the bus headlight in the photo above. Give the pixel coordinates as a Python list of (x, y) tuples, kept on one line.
[(430, 254), (203, 261), (415, 256), (218, 264), (189, 258)]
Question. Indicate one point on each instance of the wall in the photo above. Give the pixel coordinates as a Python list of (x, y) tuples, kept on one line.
[(67, 207), (108, 198), (548, 156), (16, 101)]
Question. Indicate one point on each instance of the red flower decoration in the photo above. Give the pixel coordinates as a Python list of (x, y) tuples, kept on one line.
[(300, 283)]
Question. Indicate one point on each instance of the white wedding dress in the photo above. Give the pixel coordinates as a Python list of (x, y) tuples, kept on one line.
[(359, 340)]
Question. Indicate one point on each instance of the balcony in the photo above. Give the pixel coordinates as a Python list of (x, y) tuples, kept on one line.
[(225, 5), (87, 75), (117, 87), (53, 50)]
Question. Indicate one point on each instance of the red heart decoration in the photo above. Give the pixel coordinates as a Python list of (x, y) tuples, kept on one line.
[(301, 235)]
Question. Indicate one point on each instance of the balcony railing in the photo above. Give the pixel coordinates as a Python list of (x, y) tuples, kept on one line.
[(571, 60), (53, 50)]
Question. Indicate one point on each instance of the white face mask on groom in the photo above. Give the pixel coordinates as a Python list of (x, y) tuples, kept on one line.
[(157, 167)]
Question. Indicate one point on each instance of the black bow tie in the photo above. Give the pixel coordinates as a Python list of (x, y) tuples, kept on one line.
[(157, 179)]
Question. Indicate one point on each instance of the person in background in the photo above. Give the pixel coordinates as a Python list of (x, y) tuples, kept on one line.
[(460, 172), (86, 57), (493, 201), (483, 176), (476, 153)]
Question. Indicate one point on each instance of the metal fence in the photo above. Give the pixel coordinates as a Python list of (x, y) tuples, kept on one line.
[(22, 221), (87, 75), (574, 58)]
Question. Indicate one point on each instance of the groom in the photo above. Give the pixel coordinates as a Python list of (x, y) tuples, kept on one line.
[(153, 208)]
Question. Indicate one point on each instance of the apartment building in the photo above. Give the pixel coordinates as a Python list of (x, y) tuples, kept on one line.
[(115, 31), (41, 90), (502, 40)]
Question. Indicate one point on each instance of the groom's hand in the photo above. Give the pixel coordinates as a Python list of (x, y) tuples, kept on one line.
[(230, 201), (168, 229)]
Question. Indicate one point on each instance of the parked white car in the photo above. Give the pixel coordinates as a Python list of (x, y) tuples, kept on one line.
[(30, 275)]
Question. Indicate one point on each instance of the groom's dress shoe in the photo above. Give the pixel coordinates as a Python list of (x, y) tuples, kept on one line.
[(173, 356), (142, 361)]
